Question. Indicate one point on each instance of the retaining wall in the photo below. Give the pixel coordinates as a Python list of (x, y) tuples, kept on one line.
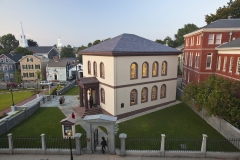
[(66, 88)]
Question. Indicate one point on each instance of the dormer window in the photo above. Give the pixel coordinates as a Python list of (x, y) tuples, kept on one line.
[(6, 60)]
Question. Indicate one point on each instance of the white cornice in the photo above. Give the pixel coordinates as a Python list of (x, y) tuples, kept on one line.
[(229, 51)]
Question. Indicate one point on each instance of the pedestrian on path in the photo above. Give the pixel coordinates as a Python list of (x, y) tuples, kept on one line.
[(103, 143)]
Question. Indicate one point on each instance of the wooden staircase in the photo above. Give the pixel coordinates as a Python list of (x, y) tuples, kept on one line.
[(92, 111)]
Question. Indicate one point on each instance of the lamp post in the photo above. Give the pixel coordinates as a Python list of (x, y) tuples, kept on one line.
[(69, 134), (12, 95)]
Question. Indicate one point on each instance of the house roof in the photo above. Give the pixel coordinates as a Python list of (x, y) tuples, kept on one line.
[(233, 44), (125, 44), (14, 57), (88, 80), (60, 63), (224, 23), (41, 49)]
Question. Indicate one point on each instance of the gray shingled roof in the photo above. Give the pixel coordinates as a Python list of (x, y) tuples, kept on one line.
[(224, 23), (61, 63), (129, 43), (41, 49), (233, 44), (14, 57)]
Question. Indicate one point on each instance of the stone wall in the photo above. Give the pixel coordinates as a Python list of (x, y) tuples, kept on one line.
[(66, 88)]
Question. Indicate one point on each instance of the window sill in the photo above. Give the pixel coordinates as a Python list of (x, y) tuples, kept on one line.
[(144, 102), (133, 104), (208, 68)]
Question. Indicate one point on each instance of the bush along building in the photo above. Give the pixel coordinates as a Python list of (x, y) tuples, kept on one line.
[(212, 50)]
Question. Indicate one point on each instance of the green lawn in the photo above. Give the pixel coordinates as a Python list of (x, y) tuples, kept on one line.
[(44, 120), (73, 91), (178, 121), (18, 96)]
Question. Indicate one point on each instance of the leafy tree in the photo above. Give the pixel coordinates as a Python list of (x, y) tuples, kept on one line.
[(218, 96), (32, 43), (232, 9), (90, 44), (96, 42), (23, 50), (17, 77), (169, 40), (39, 75), (8, 42), (179, 39), (67, 51)]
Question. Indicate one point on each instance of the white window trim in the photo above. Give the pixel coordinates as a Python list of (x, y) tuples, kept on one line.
[(212, 39), (220, 39), (219, 63), (230, 64), (224, 63), (238, 63), (210, 62)]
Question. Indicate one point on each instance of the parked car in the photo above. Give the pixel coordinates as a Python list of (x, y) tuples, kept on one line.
[(13, 85), (43, 83)]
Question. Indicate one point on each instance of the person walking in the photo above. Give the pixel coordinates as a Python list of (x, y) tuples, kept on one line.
[(91, 101), (103, 143)]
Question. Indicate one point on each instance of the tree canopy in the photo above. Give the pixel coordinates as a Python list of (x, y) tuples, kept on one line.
[(67, 51), (23, 50), (32, 43), (179, 39), (218, 96), (8, 43), (231, 9)]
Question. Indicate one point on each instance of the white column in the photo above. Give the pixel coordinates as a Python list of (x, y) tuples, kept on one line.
[(10, 143), (77, 137), (162, 150), (123, 136), (204, 143), (43, 143)]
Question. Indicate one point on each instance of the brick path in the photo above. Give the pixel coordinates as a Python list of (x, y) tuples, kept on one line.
[(26, 100)]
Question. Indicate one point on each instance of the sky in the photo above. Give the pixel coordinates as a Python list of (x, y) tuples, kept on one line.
[(79, 22)]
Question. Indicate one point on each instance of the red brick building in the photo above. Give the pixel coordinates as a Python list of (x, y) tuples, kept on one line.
[(203, 47)]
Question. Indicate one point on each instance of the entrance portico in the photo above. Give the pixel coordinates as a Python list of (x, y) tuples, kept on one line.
[(88, 86)]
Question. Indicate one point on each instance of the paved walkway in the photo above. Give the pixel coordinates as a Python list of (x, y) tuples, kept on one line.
[(92, 157)]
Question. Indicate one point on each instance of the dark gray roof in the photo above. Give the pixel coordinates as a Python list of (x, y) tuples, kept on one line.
[(61, 63), (224, 23), (235, 43), (14, 57), (129, 43), (41, 49)]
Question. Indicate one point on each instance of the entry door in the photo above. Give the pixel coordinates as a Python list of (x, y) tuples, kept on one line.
[(55, 77)]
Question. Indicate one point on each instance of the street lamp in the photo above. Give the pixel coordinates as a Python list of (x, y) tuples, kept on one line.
[(69, 134), (12, 95)]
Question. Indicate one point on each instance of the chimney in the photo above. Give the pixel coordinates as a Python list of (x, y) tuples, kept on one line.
[(166, 42), (12, 53), (230, 17)]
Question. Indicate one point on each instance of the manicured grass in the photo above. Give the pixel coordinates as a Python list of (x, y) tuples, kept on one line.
[(18, 96), (73, 91), (178, 121), (44, 120)]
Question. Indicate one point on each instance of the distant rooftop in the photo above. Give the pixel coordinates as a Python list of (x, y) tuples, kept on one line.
[(224, 23), (41, 49), (233, 44), (129, 43)]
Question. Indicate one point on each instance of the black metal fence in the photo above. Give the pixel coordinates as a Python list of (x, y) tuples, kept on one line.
[(183, 144), (4, 143), (223, 145), (143, 143), (60, 143), (22, 142)]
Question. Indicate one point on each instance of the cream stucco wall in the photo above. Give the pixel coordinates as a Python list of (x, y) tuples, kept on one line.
[(122, 65), (59, 71), (108, 66), (123, 96), (119, 67)]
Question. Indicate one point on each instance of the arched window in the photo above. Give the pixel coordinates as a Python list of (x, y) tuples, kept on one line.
[(155, 69), (144, 95), (145, 70), (163, 91), (154, 93), (133, 97), (164, 68), (89, 67), (102, 95), (102, 71), (134, 70), (94, 68)]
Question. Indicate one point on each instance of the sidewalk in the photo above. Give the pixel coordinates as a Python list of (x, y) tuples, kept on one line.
[(92, 157)]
